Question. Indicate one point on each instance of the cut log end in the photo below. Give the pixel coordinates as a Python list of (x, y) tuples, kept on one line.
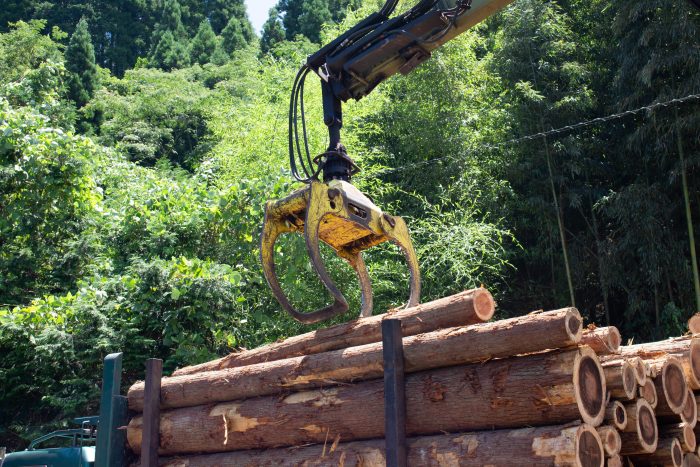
[(674, 385), (689, 415), (616, 415), (648, 393), (589, 448), (484, 304), (646, 426), (614, 461), (610, 437), (694, 324), (691, 460), (589, 387), (640, 370)]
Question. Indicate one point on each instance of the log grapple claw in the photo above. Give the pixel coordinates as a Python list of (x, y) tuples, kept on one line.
[(338, 214)]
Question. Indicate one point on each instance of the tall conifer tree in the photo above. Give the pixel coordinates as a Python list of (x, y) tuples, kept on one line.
[(80, 62), (272, 31), (203, 44), (169, 42)]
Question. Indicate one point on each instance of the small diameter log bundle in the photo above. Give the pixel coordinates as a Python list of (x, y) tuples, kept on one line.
[(578, 446), (447, 347), (469, 307), (686, 349), (533, 390)]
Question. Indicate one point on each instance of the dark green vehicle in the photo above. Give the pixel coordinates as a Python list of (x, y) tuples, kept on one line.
[(97, 442)]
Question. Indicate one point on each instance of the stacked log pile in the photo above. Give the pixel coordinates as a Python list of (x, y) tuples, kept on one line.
[(532, 390)]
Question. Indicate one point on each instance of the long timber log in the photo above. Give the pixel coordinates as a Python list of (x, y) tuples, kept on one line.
[(447, 347), (533, 390), (547, 446), (468, 307)]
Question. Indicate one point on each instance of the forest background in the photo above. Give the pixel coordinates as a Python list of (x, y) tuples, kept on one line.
[(139, 140)]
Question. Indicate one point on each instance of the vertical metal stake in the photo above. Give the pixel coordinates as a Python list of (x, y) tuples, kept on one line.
[(111, 416), (150, 441), (394, 394)]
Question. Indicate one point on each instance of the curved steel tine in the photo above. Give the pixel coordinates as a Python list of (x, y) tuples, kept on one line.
[(272, 229), (358, 264), (314, 214), (396, 230)]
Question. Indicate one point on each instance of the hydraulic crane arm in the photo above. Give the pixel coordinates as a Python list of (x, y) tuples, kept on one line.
[(332, 210)]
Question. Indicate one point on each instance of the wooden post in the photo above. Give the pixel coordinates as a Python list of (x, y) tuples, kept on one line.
[(151, 414), (394, 394)]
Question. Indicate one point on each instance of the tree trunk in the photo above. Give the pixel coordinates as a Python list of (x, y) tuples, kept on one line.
[(538, 389), (548, 446), (688, 215), (447, 347), (560, 222), (603, 341), (469, 307)]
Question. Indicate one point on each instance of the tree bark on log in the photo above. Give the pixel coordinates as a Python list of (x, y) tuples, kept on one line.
[(468, 307), (538, 389), (603, 341), (548, 446), (686, 349), (447, 347), (620, 379), (668, 453)]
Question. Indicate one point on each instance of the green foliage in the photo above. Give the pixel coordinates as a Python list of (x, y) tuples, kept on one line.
[(150, 115), (46, 190), (80, 62), (203, 44), (144, 237)]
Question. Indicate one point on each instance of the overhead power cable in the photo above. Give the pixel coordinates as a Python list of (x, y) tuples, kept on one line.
[(553, 132)]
